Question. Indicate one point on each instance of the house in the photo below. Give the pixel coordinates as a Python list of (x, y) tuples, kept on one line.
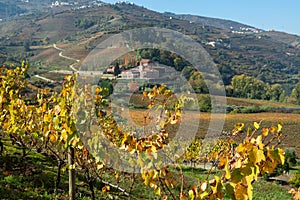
[(130, 74), (110, 70), (64, 4), (56, 3), (140, 73), (143, 71), (145, 62)]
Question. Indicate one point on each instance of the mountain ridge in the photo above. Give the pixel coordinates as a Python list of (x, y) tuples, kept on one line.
[(226, 24)]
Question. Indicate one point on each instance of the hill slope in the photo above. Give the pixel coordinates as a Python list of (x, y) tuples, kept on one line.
[(9, 9), (208, 21), (270, 56)]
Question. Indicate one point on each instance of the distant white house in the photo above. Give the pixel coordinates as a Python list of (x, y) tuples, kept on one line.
[(213, 44), (64, 3), (56, 3)]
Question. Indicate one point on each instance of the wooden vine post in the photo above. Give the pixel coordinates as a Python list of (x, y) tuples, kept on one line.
[(71, 157)]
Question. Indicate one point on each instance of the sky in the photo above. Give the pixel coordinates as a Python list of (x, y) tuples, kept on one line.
[(280, 15)]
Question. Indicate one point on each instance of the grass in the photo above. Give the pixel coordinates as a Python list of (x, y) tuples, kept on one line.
[(264, 190), (32, 177)]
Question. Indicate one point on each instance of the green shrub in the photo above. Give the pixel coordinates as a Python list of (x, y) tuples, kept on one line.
[(296, 180), (204, 102), (248, 109), (290, 156)]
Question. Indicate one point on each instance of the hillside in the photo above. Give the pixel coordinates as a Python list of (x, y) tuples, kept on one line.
[(208, 21), (237, 27), (270, 56), (9, 9)]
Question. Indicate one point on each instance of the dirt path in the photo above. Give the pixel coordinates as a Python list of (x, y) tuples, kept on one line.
[(66, 57), (44, 78)]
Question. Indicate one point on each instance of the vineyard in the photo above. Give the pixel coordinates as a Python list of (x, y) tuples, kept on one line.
[(45, 134)]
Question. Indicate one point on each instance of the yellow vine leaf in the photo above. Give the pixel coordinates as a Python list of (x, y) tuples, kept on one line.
[(256, 155), (183, 197), (174, 120), (53, 138), (105, 189), (259, 142), (153, 185), (64, 134), (256, 125), (99, 166), (178, 113), (296, 194), (269, 166), (237, 128), (98, 90), (216, 185), (260, 156), (165, 197), (281, 155), (241, 192), (265, 132), (249, 180), (273, 129), (157, 191), (191, 195), (227, 171), (230, 190), (240, 148), (72, 167), (279, 127)]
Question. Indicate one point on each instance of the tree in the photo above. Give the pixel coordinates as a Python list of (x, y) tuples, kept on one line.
[(249, 87), (198, 84), (188, 71), (117, 70), (276, 92), (106, 84), (179, 63), (26, 46), (296, 93), (204, 102)]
